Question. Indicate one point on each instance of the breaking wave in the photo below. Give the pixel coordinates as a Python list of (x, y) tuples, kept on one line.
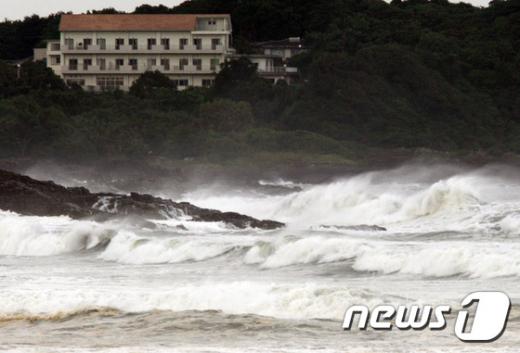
[(286, 301), (128, 248), (433, 259), (46, 236), (439, 259), (281, 183), (365, 199)]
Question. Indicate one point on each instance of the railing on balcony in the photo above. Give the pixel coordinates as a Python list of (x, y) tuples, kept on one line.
[(278, 70), (96, 48), (54, 46), (112, 67)]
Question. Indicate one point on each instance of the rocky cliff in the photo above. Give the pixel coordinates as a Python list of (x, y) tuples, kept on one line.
[(24, 195)]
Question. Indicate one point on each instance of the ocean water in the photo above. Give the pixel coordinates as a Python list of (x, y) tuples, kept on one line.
[(82, 286)]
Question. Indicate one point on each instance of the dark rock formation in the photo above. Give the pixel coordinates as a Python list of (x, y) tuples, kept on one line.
[(27, 196)]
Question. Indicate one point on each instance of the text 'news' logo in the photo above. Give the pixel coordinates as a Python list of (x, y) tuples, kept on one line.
[(487, 324)]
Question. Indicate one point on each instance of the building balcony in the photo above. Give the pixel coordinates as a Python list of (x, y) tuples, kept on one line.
[(135, 70), (203, 49), (94, 69), (79, 49), (211, 31), (155, 49), (188, 69), (54, 47), (278, 71)]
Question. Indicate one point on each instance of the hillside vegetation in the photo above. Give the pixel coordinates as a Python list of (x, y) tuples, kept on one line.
[(409, 74)]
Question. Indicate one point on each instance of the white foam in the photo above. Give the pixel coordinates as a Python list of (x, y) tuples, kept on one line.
[(290, 301), (483, 259), (45, 236), (362, 199), (486, 260), (128, 248), (510, 224), (303, 251), (282, 183), (430, 259)]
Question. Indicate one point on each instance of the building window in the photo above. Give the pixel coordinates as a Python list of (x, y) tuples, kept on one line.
[(183, 83), (152, 42), (69, 43), (86, 64), (109, 83), (215, 43), (87, 42), (198, 64), (133, 43), (151, 63), (183, 42), (183, 63), (55, 60), (73, 64), (119, 43), (214, 64), (166, 64), (197, 42), (102, 64), (165, 42), (55, 46), (207, 83), (73, 81), (133, 63), (119, 63), (212, 22), (102, 43)]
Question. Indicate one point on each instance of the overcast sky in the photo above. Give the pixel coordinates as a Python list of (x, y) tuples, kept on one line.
[(17, 9)]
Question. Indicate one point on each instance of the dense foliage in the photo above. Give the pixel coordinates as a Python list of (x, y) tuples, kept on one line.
[(407, 74)]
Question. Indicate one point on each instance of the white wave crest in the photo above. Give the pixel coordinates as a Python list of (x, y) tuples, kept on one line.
[(303, 251), (46, 236), (359, 200), (288, 301), (439, 259), (425, 259), (281, 183), (443, 260), (128, 248), (510, 224)]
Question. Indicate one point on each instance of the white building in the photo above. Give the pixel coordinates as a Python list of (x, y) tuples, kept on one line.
[(103, 52), (272, 59), (283, 49)]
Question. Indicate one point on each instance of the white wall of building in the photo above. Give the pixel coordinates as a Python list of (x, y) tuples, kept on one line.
[(179, 63)]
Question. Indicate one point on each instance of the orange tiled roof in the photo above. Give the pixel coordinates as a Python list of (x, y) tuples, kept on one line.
[(136, 22)]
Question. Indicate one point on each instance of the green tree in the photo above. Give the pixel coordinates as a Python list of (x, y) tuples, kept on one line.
[(36, 75), (225, 115), (7, 78), (239, 80), (149, 82)]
